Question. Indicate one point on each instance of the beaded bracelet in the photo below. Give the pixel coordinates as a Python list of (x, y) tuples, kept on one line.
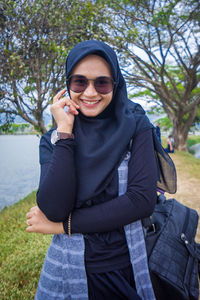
[(69, 226)]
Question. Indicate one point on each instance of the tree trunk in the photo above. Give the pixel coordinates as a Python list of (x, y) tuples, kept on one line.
[(181, 125), (180, 135), (41, 126), (180, 140)]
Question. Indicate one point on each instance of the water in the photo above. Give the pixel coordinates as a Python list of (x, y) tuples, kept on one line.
[(19, 167), (196, 148)]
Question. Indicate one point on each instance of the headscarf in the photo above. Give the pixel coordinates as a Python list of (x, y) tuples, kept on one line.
[(101, 141)]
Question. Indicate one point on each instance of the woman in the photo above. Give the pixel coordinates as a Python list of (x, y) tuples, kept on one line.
[(97, 182), (170, 144)]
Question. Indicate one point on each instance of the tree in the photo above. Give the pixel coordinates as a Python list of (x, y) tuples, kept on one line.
[(158, 41), (14, 128), (35, 38)]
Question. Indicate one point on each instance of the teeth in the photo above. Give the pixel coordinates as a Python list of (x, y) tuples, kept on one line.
[(90, 102)]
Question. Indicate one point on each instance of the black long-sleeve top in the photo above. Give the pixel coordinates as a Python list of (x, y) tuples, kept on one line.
[(57, 190)]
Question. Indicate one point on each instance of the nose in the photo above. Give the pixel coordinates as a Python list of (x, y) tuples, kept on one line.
[(90, 91)]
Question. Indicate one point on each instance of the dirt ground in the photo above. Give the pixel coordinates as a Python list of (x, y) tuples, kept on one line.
[(188, 188)]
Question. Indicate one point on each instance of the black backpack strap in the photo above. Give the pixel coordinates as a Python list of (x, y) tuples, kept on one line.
[(147, 223)]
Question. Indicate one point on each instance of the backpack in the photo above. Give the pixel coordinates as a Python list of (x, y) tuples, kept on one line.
[(173, 254)]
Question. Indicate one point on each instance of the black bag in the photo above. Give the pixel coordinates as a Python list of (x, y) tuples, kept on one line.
[(173, 254)]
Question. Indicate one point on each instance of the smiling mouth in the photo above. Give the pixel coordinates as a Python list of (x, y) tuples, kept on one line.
[(90, 103)]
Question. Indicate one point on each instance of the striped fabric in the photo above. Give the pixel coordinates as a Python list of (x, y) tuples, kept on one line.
[(63, 275), (136, 243)]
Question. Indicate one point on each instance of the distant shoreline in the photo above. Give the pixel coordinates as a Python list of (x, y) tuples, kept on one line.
[(24, 133)]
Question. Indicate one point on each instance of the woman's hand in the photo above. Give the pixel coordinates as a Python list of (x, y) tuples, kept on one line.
[(38, 222), (64, 119)]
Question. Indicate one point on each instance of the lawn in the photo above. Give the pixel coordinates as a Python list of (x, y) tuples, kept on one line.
[(22, 254)]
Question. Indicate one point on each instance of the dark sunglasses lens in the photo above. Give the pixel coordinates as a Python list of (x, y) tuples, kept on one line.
[(103, 85), (77, 83)]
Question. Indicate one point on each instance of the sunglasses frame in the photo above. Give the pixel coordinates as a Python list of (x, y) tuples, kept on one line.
[(89, 79)]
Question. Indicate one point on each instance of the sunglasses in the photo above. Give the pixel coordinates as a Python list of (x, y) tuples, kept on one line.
[(79, 83)]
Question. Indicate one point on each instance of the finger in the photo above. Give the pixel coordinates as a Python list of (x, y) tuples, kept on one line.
[(59, 95), (75, 106), (56, 105), (29, 215), (31, 212), (73, 103), (33, 208), (28, 222), (72, 111), (30, 229), (72, 106)]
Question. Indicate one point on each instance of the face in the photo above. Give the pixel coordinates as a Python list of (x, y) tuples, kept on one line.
[(90, 101)]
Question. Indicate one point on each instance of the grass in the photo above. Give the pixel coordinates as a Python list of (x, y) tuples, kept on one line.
[(22, 254), (192, 140), (189, 164)]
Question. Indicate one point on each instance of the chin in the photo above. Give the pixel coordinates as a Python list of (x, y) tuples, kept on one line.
[(90, 113)]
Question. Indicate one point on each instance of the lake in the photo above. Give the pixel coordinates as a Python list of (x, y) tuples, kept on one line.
[(196, 149), (19, 167)]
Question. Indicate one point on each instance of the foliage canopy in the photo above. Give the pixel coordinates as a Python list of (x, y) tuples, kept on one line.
[(159, 44), (35, 38)]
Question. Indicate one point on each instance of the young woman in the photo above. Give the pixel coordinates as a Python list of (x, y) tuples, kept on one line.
[(98, 180), (170, 144)]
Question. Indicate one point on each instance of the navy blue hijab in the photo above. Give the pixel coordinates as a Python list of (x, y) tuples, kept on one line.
[(102, 141)]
